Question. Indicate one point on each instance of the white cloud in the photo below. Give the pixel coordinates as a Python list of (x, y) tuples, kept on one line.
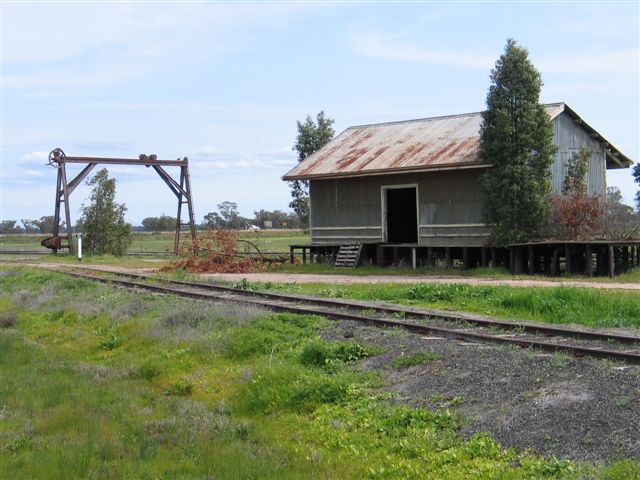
[(207, 151), (558, 88), (127, 170), (281, 150), (55, 32), (39, 156), (291, 161), (390, 47), (621, 61), (61, 46), (241, 163), (218, 165), (93, 75), (195, 109)]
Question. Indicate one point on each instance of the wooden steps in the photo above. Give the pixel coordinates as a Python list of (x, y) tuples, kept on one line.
[(348, 255)]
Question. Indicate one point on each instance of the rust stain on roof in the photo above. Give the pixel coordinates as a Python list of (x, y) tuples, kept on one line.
[(439, 142), (351, 157), (413, 144), (362, 136)]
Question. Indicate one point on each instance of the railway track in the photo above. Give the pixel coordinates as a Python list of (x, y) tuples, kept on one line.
[(467, 328)]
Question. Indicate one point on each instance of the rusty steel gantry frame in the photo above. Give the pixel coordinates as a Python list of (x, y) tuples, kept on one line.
[(182, 189)]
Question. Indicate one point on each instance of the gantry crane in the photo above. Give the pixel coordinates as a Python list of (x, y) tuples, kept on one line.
[(181, 189)]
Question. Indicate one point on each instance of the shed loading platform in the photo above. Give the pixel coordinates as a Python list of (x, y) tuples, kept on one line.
[(551, 258)]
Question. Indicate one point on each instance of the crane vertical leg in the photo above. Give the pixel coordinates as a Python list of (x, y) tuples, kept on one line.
[(67, 213), (56, 217), (192, 222), (179, 214), (184, 196), (62, 196)]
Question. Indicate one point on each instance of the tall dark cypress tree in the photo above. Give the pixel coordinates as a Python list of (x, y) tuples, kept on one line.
[(516, 138)]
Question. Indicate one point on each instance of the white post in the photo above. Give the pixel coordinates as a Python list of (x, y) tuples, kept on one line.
[(413, 257), (79, 237)]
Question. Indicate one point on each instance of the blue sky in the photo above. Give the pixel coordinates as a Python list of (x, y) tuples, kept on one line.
[(224, 83)]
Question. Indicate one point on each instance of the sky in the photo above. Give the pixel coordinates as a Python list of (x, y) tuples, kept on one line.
[(224, 84)]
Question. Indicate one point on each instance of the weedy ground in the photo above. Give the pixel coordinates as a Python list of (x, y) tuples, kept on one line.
[(562, 305), (98, 382)]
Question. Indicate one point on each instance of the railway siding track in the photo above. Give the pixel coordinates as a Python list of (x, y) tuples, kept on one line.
[(467, 328)]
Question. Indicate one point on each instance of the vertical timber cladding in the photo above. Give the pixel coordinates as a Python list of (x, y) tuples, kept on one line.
[(571, 138), (351, 209)]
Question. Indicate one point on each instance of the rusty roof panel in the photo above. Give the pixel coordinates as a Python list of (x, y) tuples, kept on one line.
[(413, 145)]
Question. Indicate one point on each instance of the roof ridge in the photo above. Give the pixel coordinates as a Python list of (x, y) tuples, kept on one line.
[(414, 120)]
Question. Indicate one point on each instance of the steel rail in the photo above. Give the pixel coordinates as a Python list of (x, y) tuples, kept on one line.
[(278, 306), (538, 329)]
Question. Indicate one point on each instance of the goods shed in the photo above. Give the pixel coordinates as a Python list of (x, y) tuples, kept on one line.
[(411, 189)]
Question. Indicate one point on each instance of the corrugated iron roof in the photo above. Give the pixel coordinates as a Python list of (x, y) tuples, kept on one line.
[(449, 142)]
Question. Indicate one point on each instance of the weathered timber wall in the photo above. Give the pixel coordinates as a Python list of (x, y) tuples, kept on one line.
[(449, 208), (570, 138)]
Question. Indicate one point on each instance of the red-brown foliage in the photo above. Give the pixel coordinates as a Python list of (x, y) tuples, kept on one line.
[(576, 216), (216, 251)]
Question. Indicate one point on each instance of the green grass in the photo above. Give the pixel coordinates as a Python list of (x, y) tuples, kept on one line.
[(418, 358), (268, 241), (144, 242), (97, 382), (562, 304)]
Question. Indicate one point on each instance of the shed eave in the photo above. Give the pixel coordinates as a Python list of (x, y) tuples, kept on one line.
[(394, 171), (615, 158)]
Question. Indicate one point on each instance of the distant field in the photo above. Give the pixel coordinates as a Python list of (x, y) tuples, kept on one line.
[(277, 241)]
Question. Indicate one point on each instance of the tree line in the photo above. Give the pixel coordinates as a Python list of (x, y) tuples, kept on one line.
[(226, 216)]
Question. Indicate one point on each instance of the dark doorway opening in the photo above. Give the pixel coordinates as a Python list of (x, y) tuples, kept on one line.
[(402, 215)]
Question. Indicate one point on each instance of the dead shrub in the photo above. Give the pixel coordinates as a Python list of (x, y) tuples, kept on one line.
[(217, 251), (576, 216)]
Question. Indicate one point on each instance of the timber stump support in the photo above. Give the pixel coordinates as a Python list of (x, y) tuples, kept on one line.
[(532, 266), (588, 261), (610, 261)]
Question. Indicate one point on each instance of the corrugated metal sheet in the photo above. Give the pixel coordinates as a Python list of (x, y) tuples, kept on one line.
[(449, 142), (570, 139)]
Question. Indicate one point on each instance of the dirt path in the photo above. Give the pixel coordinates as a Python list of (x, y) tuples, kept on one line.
[(344, 279)]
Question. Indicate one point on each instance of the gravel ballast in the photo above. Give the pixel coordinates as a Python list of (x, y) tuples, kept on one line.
[(553, 404)]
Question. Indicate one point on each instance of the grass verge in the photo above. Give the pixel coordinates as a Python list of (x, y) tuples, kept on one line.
[(98, 382), (561, 305)]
